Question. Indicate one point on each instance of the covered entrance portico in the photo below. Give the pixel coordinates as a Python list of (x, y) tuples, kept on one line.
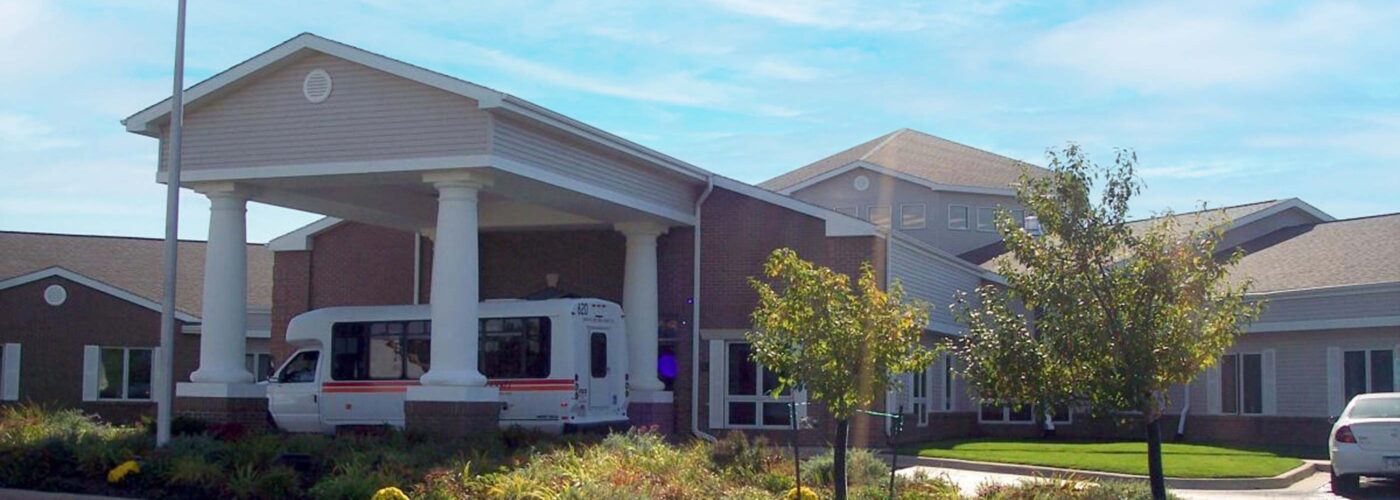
[(318, 126)]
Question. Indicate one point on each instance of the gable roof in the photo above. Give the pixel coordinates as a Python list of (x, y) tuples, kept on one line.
[(1347, 252), (93, 284), (129, 264), (1237, 215), (915, 154), (149, 121)]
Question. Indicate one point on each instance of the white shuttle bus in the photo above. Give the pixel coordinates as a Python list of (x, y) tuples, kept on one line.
[(560, 364)]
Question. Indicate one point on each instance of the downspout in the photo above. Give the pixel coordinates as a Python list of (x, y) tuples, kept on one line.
[(695, 319), (417, 267), (1185, 409)]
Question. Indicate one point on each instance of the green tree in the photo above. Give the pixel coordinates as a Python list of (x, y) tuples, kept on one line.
[(841, 344), (1118, 313)]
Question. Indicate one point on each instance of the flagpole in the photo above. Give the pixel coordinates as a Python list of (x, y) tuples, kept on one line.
[(166, 383)]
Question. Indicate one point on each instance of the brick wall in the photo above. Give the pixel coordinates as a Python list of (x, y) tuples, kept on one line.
[(52, 340), (291, 295)]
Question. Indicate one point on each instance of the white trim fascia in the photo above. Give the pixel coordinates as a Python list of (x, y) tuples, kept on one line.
[(332, 168), (486, 98), (594, 190), (197, 329), (1279, 207), (879, 169), (430, 164), (837, 223), (93, 284), (1324, 324), (300, 239), (948, 257), (1328, 291)]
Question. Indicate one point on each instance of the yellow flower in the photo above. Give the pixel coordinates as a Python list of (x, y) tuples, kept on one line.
[(803, 494), (389, 493), (121, 471)]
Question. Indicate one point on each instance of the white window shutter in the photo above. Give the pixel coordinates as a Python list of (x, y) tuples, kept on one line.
[(9, 373), (1395, 369), (935, 385), (906, 393), (1268, 382), (800, 396), (1213, 389), (718, 363), (157, 370), (1336, 394), (91, 359)]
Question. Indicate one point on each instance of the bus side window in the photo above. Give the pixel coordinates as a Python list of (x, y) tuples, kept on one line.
[(598, 354), (301, 369)]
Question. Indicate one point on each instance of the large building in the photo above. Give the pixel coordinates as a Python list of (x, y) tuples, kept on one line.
[(80, 319), (439, 191)]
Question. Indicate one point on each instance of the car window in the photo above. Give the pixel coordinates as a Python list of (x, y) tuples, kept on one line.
[(301, 369), (1376, 408)]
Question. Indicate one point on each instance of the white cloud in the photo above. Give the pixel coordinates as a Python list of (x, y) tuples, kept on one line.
[(786, 70), (22, 133), (1197, 44), (675, 87), (831, 14)]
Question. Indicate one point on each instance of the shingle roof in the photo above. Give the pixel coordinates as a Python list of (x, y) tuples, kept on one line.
[(986, 256), (1343, 252), (132, 264), (921, 155)]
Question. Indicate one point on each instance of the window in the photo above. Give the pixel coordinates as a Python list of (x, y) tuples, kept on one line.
[(598, 355), (913, 216), (1241, 384), (986, 219), (920, 396), (379, 350), (300, 369), (994, 414), (878, 215), (259, 364), (1061, 415), (1019, 216), (957, 217), (124, 373), (9, 372), (515, 347), (747, 397), (948, 381), (1368, 371)]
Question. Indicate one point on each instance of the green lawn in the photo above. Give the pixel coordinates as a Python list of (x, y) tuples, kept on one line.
[(1179, 460)]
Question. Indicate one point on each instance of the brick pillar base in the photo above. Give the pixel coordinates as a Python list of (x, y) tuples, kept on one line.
[(248, 412), (661, 415), (451, 419), (652, 408)]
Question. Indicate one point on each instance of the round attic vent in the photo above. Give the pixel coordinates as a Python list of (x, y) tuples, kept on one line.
[(861, 183), (317, 85), (55, 295)]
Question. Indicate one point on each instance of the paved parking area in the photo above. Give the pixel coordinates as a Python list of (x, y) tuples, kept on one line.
[(1314, 487)]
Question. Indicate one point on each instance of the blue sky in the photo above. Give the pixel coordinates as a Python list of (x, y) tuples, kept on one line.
[(1224, 102)]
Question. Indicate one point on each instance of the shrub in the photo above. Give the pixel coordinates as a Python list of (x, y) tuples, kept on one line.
[(736, 452), (1066, 488), (862, 468)]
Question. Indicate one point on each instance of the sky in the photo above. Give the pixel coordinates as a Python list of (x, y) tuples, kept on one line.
[(1223, 102)]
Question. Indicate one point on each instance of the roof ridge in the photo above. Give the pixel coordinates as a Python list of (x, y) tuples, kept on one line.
[(108, 236), (1357, 218), (888, 137), (1209, 209), (974, 148)]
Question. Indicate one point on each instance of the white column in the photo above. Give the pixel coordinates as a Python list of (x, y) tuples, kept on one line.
[(223, 331), (455, 299), (639, 303)]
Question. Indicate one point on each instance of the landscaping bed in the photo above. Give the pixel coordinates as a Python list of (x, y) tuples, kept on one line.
[(1178, 459)]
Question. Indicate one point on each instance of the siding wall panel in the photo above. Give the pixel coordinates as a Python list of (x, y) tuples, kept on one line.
[(370, 115)]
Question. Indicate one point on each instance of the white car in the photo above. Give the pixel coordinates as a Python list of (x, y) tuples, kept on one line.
[(1366, 440)]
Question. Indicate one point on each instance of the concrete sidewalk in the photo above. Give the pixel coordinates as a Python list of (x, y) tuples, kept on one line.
[(8, 494), (1315, 486)]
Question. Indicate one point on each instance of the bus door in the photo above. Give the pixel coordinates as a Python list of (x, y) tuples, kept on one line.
[(293, 394), (599, 391)]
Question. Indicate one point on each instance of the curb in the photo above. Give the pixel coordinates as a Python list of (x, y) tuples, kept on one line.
[(1283, 480)]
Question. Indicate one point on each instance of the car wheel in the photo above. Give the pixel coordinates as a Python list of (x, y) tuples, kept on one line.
[(1345, 483)]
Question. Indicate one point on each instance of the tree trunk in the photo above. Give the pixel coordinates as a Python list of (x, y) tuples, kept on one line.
[(1154, 459), (838, 472)]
